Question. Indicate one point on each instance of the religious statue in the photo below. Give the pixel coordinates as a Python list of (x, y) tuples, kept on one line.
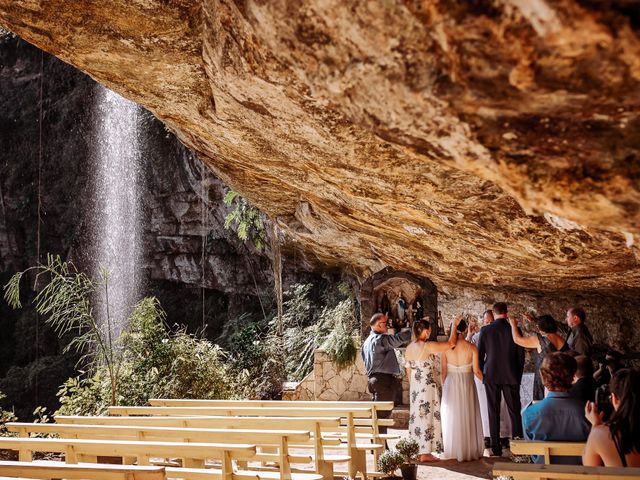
[(402, 306)]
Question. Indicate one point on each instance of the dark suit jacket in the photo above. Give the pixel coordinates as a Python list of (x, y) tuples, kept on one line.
[(501, 360)]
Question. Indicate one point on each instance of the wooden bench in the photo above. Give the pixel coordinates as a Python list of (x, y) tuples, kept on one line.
[(356, 451), (193, 454), (529, 471), (547, 449), (323, 463), (272, 438), (52, 470), (374, 422)]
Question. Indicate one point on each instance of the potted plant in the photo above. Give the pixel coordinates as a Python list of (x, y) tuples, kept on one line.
[(389, 461), (408, 449)]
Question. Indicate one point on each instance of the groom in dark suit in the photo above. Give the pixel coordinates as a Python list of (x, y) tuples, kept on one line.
[(502, 364)]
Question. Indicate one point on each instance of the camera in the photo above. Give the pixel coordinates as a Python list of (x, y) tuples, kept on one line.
[(603, 401)]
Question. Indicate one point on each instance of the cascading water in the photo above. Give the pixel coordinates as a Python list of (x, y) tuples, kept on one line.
[(118, 177)]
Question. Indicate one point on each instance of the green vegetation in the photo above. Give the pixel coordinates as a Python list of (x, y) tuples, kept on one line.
[(5, 417), (389, 461), (252, 359), (408, 447), (157, 362), (246, 219), (66, 303)]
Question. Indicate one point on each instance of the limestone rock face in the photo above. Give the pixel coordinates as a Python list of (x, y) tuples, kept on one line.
[(476, 143)]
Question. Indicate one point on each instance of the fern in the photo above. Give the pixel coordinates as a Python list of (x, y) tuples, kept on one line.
[(246, 219)]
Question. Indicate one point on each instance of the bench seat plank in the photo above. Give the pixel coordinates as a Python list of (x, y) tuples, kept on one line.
[(206, 435), (49, 469), (532, 471), (299, 404), (242, 411)]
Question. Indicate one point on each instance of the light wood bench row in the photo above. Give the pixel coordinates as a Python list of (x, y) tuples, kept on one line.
[(356, 451), (547, 449), (323, 463), (51, 470), (528, 471), (282, 439)]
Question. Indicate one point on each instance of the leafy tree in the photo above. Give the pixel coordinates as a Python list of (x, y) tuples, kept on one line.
[(66, 302)]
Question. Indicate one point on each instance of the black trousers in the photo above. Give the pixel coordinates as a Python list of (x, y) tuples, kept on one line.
[(385, 388), (512, 399)]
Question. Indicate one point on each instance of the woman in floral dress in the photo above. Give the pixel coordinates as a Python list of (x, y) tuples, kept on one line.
[(423, 372)]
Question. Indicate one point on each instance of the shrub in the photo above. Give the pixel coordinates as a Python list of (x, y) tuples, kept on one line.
[(389, 461), (5, 417), (408, 448)]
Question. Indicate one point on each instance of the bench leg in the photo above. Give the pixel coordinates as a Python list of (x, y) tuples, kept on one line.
[(358, 463), (325, 469), (128, 460)]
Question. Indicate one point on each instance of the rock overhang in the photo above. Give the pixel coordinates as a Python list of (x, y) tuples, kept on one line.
[(491, 146)]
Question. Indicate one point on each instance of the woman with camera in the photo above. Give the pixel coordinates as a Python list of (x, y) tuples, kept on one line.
[(616, 443)]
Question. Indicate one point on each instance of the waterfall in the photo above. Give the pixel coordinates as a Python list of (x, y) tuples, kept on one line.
[(117, 204)]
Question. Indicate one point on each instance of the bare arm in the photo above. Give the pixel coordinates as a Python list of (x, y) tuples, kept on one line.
[(598, 435), (526, 342), (408, 369), (591, 457), (476, 363), (443, 366)]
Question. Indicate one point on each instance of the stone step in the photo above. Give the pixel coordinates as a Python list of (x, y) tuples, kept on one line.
[(400, 415)]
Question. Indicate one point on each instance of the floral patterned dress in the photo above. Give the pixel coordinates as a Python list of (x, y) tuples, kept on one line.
[(424, 418)]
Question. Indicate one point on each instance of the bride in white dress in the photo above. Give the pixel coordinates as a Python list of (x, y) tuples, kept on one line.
[(460, 412)]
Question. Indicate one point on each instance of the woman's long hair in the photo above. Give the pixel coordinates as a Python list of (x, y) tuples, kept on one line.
[(624, 424)]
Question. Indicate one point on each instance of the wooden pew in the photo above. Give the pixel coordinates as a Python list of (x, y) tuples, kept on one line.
[(547, 449), (52, 470), (323, 463), (357, 451), (271, 438), (193, 454), (531, 471)]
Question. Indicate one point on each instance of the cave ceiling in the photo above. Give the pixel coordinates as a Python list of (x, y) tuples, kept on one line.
[(485, 143)]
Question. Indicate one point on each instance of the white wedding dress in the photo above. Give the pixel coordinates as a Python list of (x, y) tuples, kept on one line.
[(461, 422)]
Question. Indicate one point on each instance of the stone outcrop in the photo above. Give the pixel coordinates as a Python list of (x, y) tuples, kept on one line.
[(492, 144)]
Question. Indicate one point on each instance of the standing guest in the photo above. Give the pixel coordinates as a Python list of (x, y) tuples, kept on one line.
[(584, 386), (502, 364), (547, 340), (461, 420), (579, 340), (616, 443), (559, 417), (381, 364), (423, 372), (505, 423)]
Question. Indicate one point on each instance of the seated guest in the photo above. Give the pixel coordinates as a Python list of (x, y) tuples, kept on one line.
[(616, 443), (584, 386), (546, 341), (559, 417)]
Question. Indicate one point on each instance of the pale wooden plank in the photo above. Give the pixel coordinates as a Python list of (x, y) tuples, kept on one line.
[(527, 471), (299, 404), (242, 411)]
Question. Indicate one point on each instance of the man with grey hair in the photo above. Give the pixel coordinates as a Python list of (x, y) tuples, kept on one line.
[(380, 361)]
